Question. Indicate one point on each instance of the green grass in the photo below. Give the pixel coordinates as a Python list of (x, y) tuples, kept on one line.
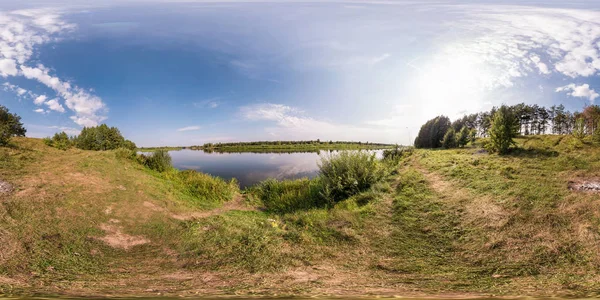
[(437, 222)]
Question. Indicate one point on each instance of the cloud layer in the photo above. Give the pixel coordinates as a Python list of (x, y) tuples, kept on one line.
[(21, 33)]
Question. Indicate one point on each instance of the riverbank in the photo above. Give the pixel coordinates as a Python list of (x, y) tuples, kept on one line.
[(440, 222)]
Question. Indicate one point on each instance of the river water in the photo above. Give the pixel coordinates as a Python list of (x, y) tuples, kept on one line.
[(251, 168)]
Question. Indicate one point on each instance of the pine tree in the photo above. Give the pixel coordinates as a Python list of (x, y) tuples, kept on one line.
[(463, 137), (504, 128), (449, 140)]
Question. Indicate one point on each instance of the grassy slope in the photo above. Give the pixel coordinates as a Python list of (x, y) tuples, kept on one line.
[(448, 222)]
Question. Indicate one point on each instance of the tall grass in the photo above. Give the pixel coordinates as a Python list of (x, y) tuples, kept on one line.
[(204, 187), (290, 195), (348, 173)]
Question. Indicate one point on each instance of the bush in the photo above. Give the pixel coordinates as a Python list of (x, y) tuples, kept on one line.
[(289, 195), (206, 187), (10, 125), (349, 173), (125, 153), (159, 161)]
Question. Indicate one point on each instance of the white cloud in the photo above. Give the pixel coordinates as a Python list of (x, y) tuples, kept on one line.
[(41, 111), (292, 123), (208, 103), (542, 67), (40, 100), (88, 108), (21, 32), (189, 128), (54, 105), (581, 91), (8, 67)]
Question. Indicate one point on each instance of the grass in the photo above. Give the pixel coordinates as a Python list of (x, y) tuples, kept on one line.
[(458, 222)]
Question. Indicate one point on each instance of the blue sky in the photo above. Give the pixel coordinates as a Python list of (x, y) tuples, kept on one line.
[(190, 72)]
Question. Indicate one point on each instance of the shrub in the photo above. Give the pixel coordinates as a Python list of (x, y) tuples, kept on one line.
[(159, 161), (206, 187), (289, 195), (10, 125), (397, 153), (348, 173), (125, 153)]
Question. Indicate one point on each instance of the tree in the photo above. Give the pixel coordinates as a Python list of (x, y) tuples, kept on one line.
[(472, 136), (432, 132), (463, 137), (579, 129), (504, 128), (10, 125), (449, 140)]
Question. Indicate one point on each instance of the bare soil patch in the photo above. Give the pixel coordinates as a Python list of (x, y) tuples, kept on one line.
[(116, 238), (5, 187), (588, 185)]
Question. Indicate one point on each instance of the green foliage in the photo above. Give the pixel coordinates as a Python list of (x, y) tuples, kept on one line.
[(290, 195), (203, 187), (503, 130), (396, 153), (60, 141), (125, 153), (579, 129), (449, 140), (472, 135), (432, 133), (10, 125), (102, 138), (463, 137), (349, 173), (159, 161), (596, 134)]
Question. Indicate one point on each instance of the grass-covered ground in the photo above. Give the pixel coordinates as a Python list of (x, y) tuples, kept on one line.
[(440, 222)]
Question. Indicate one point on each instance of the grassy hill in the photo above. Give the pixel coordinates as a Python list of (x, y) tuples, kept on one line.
[(443, 222)]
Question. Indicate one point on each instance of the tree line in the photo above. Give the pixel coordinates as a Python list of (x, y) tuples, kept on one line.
[(280, 143), (530, 119)]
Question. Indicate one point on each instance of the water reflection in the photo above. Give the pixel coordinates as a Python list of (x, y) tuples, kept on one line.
[(250, 167)]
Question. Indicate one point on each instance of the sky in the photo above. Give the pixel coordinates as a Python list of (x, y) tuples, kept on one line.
[(189, 72)]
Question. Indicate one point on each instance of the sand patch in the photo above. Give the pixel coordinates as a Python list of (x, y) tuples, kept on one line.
[(116, 238)]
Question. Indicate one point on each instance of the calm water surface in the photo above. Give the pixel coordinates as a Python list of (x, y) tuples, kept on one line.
[(250, 168)]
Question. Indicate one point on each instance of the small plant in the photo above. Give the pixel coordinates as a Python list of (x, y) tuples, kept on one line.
[(159, 161), (349, 173)]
